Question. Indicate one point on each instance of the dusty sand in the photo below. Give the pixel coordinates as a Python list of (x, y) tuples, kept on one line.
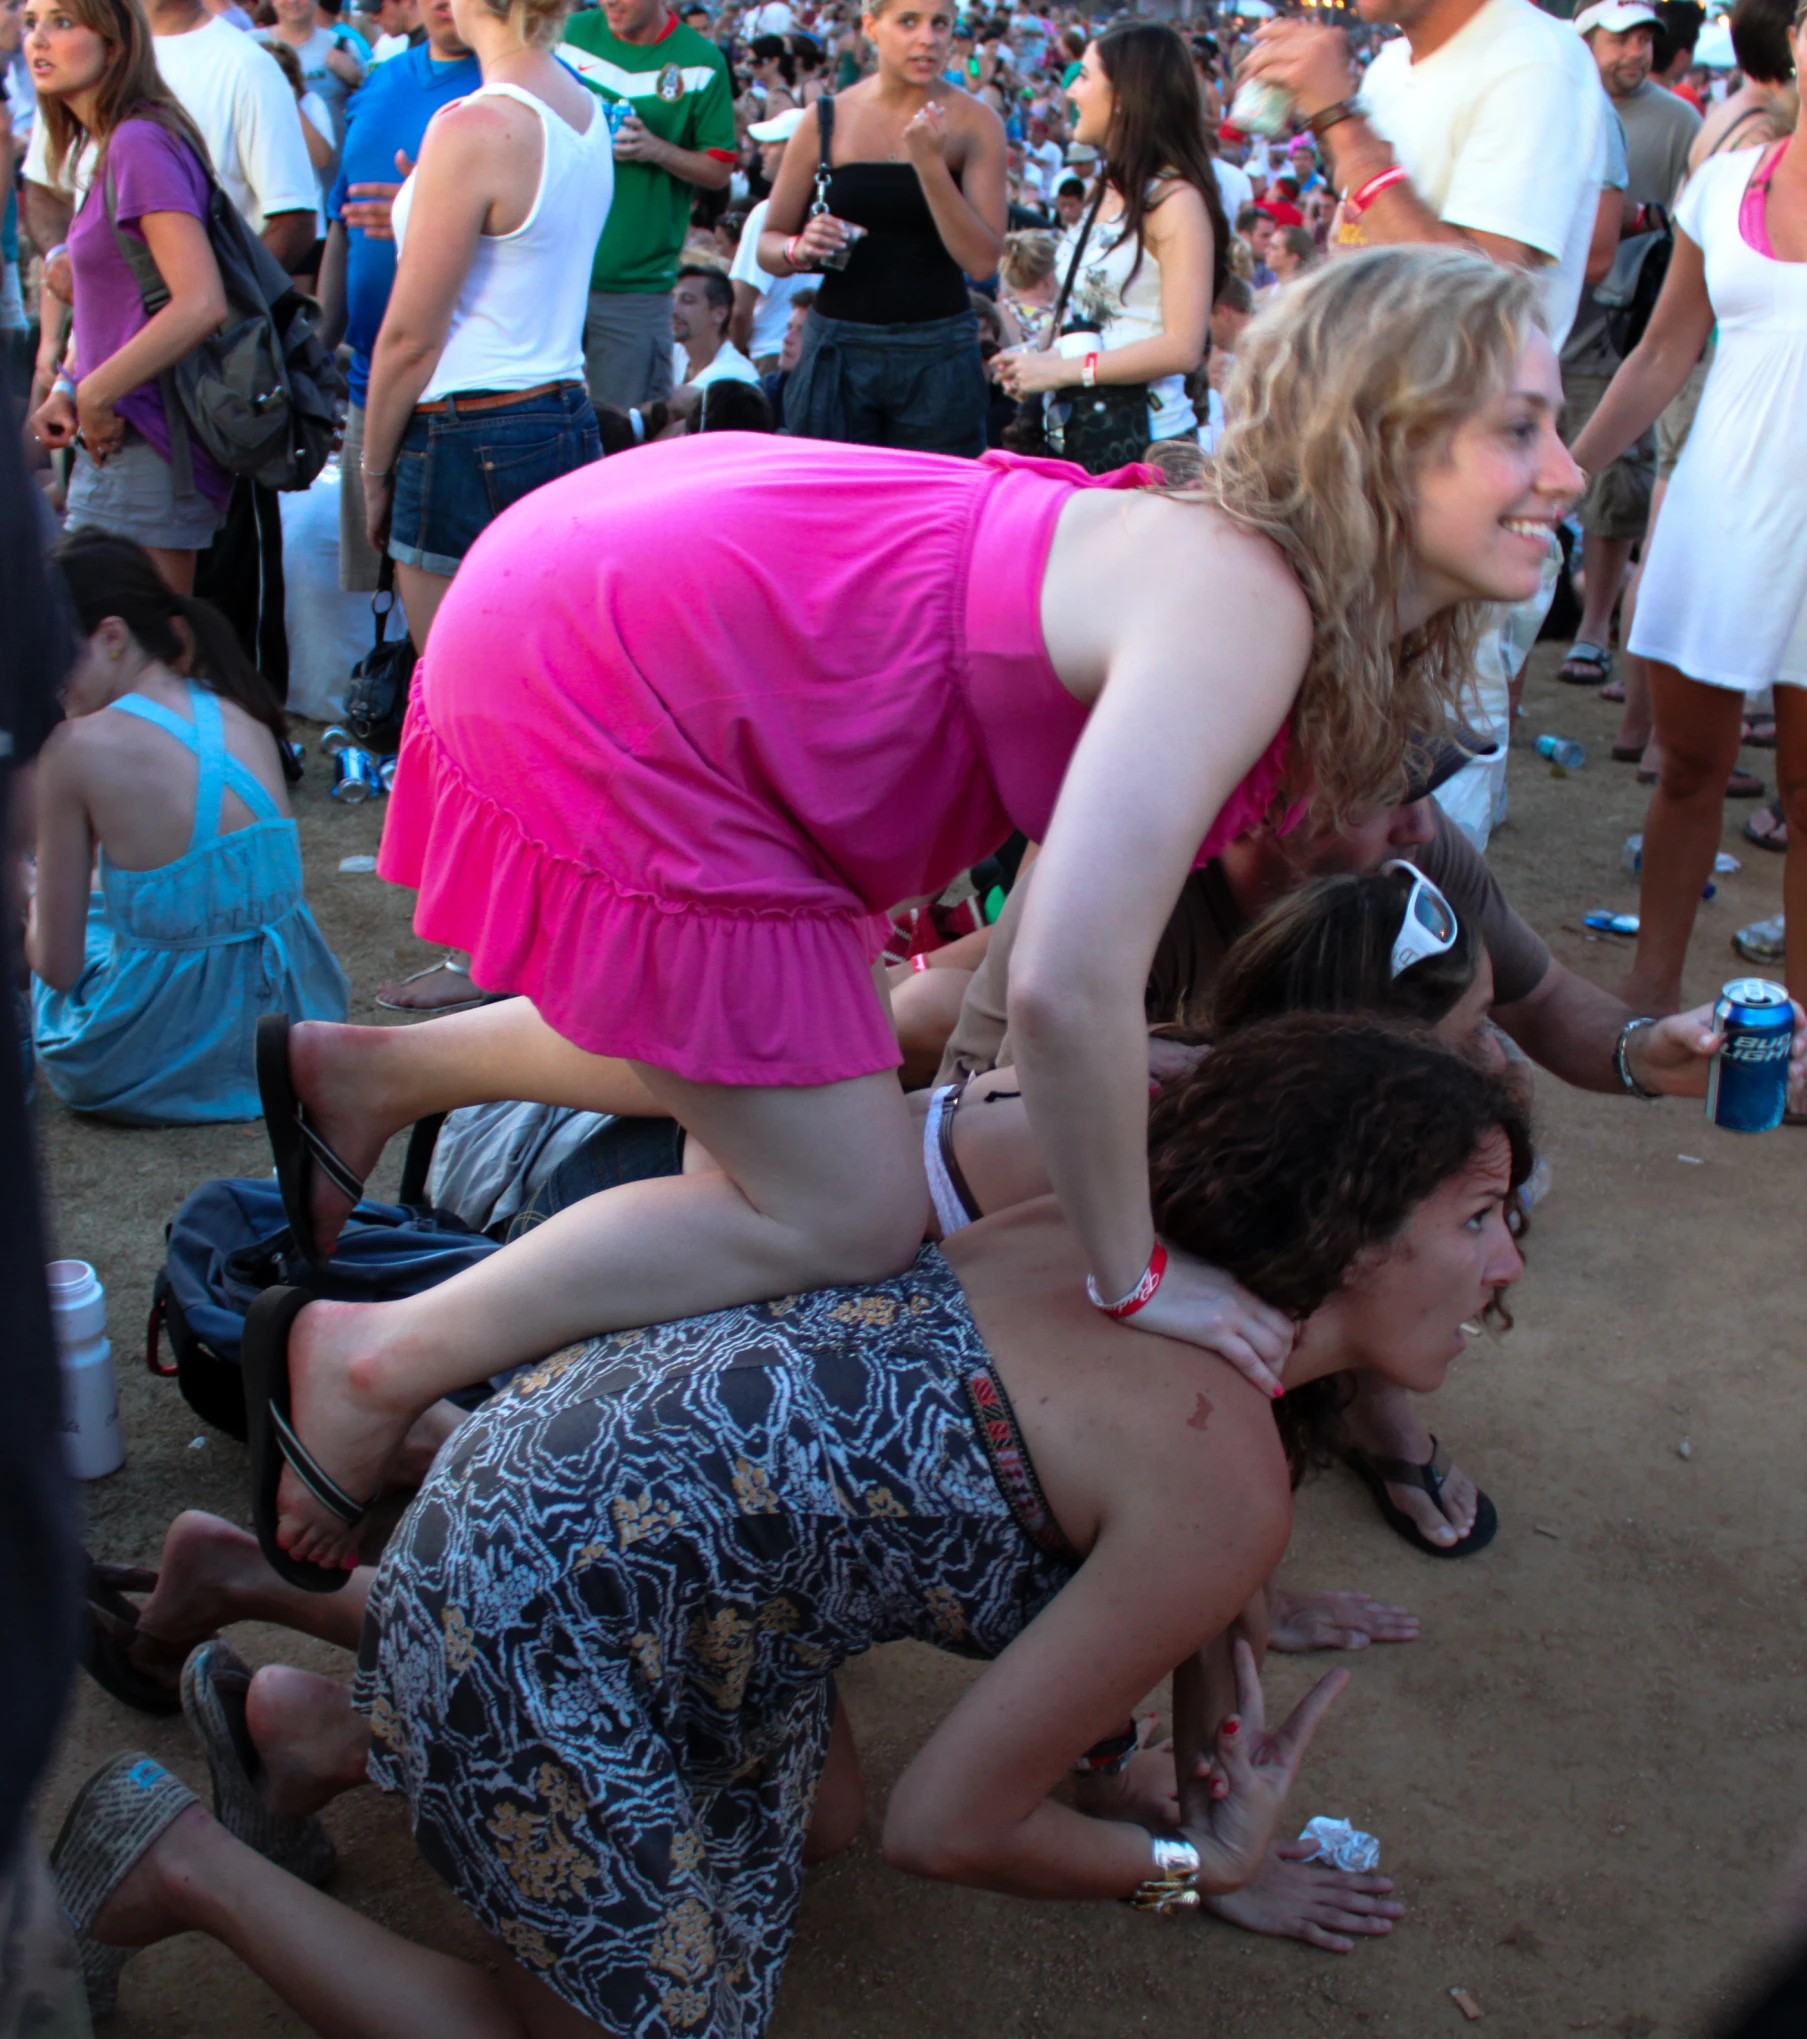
[(1584, 1774)]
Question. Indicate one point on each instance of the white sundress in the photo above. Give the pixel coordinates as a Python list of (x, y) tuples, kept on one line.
[(1724, 597)]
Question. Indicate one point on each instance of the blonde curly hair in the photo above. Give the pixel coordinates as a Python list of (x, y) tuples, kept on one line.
[(1343, 386)]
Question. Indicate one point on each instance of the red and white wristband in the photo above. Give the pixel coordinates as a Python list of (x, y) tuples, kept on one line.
[(1140, 1296), (1364, 195)]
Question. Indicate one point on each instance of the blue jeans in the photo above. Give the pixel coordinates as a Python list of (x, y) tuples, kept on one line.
[(456, 472)]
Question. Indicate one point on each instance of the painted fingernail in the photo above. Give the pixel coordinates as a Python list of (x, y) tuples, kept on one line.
[(1278, 1392), (1232, 1726)]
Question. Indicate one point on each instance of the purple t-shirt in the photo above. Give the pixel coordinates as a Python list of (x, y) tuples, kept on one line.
[(152, 171)]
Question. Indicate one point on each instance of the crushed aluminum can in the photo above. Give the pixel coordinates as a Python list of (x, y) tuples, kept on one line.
[(1341, 1845), (385, 771), (336, 739)]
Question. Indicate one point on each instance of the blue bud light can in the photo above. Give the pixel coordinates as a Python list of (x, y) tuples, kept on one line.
[(355, 776), (1747, 1090)]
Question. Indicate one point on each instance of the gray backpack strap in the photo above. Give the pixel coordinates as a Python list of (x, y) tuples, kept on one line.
[(153, 294)]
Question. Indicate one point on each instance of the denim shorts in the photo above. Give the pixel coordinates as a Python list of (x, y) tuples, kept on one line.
[(456, 473)]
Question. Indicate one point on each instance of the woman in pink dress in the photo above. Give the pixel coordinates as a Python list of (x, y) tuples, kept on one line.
[(689, 720)]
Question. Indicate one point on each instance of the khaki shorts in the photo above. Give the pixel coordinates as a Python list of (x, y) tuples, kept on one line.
[(359, 562), (1617, 503), (1673, 427)]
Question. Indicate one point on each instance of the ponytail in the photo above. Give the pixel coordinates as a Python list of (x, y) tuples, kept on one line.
[(110, 576)]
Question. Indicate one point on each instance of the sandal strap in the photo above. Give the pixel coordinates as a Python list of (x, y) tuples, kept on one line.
[(1404, 1472), (308, 1470), (327, 1161), (1590, 655)]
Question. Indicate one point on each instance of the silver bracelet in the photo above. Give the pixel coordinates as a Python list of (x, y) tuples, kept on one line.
[(1173, 1886), (1621, 1061), (375, 473)]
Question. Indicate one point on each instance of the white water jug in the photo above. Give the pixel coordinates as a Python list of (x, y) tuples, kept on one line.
[(78, 1309)]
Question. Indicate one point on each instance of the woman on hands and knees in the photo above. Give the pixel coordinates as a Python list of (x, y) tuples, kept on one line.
[(598, 1656)]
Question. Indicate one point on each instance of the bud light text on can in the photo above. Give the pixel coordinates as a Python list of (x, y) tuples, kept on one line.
[(355, 776), (1747, 1089)]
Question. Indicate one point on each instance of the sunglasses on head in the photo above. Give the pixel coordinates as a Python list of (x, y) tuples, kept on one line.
[(1429, 927)]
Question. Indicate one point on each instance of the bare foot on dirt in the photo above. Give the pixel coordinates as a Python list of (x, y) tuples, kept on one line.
[(351, 1431), (1297, 1622), (1384, 1422), (310, 1739), (1293, 1899)]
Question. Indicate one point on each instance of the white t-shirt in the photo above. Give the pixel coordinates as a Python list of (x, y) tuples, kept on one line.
[(730, 365), (313, 111), (1501, 131), (319, 76), (387, 46), (774, 18), (772, 313), (1044, 165), (1234, 186), (232, 90)]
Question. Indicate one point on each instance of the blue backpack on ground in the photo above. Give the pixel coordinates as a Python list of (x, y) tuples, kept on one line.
[(229, 1241)]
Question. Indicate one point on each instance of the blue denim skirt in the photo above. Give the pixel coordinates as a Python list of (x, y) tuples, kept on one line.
[(457, 471)]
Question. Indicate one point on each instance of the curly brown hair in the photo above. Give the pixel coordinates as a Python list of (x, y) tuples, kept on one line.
[(1301, 1145)]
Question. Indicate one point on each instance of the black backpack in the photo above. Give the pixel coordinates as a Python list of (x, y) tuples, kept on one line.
[(229, 1241), (1628, 292), (259, 392)]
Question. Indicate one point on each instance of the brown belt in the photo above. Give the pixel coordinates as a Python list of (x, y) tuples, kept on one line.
[(490, 400)]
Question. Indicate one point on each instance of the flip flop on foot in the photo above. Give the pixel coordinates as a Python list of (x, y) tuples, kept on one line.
[(1760, 731), (1628, 753), (1379, 1473), (295, 1145), (113, 1641), (450, 991), (215, 1684), (1614, 690), (1587, 665), (122, 1811), (1743, 785), (1768, 827), (273, 1443)]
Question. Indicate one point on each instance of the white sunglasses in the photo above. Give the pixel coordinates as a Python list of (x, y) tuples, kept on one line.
[(1429, 927)]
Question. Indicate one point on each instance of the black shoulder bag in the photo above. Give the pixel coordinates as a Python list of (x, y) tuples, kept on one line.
[(1099, 429)]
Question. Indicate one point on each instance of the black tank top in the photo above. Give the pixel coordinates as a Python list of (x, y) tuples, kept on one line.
[(899, 274)]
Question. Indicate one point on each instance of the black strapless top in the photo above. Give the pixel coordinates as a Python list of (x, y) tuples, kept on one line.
[(899, 274)]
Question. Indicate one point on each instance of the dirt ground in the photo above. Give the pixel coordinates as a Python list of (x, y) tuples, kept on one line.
[(1584, 1774)]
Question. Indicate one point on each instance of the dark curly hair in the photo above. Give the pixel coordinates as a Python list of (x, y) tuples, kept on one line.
[(1303, 1143), (1328, 947)]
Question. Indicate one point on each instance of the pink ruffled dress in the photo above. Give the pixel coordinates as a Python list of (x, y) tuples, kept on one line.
[(691, 718)]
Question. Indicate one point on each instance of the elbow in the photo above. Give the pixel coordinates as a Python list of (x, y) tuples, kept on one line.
[(210, 310), (717, 176)]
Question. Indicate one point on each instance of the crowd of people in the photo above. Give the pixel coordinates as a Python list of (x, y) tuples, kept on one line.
[(931, 1134)]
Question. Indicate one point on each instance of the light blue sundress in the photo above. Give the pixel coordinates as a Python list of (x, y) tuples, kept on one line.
[(184, 960)]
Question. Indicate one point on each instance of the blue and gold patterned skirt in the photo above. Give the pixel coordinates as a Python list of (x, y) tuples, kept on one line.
[(599, 1653)]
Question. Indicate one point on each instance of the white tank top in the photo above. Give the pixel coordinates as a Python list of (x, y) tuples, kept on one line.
[(519, 318), (1122, 308)]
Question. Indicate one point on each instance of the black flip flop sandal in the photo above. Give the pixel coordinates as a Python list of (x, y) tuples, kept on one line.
[(294, 1145), (264, 1352), (107, 1637), (1378, 1473)]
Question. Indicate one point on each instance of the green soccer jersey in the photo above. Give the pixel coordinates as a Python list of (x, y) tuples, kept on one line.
[(679, 87)]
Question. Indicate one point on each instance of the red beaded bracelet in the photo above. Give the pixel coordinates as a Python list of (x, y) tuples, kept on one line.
[(1141, 1295)]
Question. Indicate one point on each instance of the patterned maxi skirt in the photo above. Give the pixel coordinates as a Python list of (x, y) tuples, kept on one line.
[(598, 1659)]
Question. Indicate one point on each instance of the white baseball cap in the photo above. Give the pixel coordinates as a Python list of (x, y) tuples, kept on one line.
[(780, 127), (1614, 15)]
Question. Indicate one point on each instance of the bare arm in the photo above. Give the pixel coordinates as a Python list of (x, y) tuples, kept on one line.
[(289, 236), (463, 160), (47, 215), (1609, 222), (636, 143), (1652, 374), (787, 213), (969, 215), (57, 924), (332, 285), (740, 320), (1176, 725)]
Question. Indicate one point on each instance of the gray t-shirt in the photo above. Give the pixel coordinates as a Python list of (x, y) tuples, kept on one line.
[(1659, 131), (1207, 920)]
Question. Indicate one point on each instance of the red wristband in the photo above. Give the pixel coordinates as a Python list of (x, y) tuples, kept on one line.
[(1089, 373), (1364, 195), (790, 253), (919, 962), (1138, 1297)]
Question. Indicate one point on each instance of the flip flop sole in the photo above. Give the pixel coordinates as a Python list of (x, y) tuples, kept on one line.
[(282, 1124), (264, 1351)]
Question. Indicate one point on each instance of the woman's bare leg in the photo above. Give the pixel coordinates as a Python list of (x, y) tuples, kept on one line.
[(421, 594), (840, 1808), (1791, 783), (818, 1185), (176, 567), (1698, 727), (346, 1977), (362, 1085)]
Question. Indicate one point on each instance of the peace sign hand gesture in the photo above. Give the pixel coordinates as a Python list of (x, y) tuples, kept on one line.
[(1231, 1805)]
